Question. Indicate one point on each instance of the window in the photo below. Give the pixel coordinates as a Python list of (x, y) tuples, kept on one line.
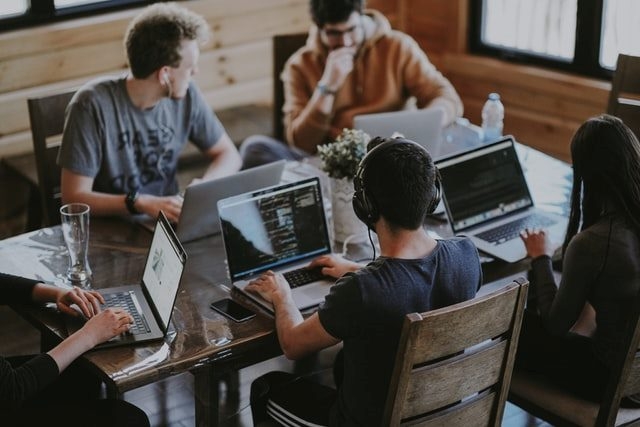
[(22, 13), (582, 36), (12, 8)]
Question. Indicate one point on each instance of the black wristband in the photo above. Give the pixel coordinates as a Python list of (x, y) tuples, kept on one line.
[(130, 201)]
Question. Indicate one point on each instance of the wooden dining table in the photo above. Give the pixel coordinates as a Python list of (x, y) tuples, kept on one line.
[(200, 340)]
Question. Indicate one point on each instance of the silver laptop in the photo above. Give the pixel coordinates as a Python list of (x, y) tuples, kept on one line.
[(280, 228), (423, 126), (487, 198), (199, 215), (151, 301)]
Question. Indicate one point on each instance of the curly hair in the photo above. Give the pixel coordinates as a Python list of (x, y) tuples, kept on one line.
[(606, 172), (153, 38), (334, 11)]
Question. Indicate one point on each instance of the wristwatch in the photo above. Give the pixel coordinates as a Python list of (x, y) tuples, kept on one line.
[(324, 90), (130, 201)]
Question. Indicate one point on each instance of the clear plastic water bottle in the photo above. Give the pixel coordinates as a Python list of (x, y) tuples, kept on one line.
[(492, 117)]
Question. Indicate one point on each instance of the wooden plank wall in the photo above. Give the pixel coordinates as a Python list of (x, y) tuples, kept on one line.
[(543, 107), (235, 67)]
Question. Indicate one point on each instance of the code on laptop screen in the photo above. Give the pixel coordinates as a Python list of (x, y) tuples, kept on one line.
[(483, 185), (272, 227)]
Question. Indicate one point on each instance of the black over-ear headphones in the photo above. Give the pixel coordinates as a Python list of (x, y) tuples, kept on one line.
[(365, 206)]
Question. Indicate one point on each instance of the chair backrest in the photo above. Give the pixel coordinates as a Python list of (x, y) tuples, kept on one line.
[(454, 364), (284, 45), (47, 122), (624, 98), (624, 379), (544, 399)]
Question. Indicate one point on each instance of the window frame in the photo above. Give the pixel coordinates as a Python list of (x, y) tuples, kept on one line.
[(44, 11), (586, 59)]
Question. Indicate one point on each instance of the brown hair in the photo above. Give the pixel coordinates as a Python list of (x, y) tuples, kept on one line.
[(153, 38)]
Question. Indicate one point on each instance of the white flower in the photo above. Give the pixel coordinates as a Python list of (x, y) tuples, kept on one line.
[(340, 158)]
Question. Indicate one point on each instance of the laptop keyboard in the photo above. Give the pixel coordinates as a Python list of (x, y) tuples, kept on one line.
[(125, 301), (304, 275), (512, 229)]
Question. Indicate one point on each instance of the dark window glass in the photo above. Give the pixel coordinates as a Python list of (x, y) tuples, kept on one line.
[(22, 13)]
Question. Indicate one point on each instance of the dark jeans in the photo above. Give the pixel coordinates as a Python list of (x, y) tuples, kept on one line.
[(259, 150), (72, 400)]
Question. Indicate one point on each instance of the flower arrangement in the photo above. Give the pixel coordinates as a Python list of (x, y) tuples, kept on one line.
[(340, 159)]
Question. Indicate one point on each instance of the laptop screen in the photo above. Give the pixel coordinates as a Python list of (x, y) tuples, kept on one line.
[(163, 270), (483, 185), (272, 227)]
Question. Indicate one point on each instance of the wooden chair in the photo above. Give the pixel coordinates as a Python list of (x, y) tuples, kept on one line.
[(47, 121), (624, 98), (284, 45), (544, 400), (454, 364)]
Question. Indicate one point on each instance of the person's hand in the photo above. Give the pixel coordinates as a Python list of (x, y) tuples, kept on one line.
[(339, 65), (87, 301), (536, 242), (152, 205), (106, 325), (334, 265), (271, 286)]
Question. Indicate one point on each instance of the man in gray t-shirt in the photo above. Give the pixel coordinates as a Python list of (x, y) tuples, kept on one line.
[(123, 136)]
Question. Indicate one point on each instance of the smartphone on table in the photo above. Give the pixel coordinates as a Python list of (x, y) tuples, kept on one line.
[(232, 310)]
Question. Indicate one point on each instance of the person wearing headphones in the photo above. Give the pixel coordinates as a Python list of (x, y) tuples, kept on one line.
[(571, 332), (396, 186), (122, 136)]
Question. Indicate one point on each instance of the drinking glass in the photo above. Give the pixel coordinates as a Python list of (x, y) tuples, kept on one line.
[(75, 229)]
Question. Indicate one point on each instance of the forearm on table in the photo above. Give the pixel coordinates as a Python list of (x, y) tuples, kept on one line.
[(71, 348)]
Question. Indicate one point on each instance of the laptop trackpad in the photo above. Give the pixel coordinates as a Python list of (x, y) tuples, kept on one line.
[(312, 293)]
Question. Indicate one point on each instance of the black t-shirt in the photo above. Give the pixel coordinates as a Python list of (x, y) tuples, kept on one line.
[(18, 384), (366, 310)]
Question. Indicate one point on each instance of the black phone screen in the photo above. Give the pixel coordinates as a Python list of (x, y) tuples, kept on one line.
[(232, 310)]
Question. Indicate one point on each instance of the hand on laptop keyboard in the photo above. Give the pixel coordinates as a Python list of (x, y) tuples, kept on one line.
[(303, 276), (77, 302), (271, 286), (335, 266), (106, 325), (537, 243)]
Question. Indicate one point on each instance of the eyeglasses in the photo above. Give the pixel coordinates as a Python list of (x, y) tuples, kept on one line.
[(338, 34)]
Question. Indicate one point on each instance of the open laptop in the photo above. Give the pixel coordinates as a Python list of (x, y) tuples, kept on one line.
[(151, 301), (487, 199), (280, 228), (423, 126), (199, 216)]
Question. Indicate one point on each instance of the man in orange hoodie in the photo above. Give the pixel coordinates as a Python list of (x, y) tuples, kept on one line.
[(353, 63)]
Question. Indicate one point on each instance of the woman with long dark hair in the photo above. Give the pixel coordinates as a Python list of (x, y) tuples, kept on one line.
[(571, 332)]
